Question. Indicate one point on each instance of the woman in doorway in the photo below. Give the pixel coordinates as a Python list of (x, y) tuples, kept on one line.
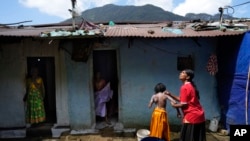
[(35, 112), (193, 127), (103, 94)]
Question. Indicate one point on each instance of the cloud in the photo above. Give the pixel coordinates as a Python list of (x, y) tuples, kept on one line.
[(51, 7), (167, 5), (60, 8), (200, 6)]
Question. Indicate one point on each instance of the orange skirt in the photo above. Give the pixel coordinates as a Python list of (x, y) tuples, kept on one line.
[(159, 124)]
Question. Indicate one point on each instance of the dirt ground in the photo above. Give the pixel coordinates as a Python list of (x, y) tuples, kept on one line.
[(104, 134), (174, 137), (108, 135)]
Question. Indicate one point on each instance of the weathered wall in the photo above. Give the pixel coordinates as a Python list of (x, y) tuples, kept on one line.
[(12, 86), (79, 92), (147, 62), (13, 64), (142, 65)]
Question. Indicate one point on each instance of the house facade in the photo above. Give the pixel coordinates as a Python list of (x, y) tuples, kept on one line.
[(133, 58)]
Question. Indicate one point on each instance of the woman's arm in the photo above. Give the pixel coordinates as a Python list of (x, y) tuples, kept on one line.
[(177, 98), (178, 105)]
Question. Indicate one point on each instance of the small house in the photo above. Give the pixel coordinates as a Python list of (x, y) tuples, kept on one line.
[(133, 57)]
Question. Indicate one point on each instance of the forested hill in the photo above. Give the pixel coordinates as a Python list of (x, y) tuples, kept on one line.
[(146, 13)]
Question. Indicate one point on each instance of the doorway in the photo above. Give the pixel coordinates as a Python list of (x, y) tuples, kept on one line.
[(105, 62), (46, 66)]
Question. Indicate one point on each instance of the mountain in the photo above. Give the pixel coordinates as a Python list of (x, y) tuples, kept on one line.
[(111, 12), (207, 17), (146, 13)]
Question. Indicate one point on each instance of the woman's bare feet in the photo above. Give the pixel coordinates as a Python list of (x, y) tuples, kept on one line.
[(107, 121)]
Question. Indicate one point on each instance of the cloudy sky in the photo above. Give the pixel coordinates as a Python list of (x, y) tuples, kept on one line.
[(53, 11)]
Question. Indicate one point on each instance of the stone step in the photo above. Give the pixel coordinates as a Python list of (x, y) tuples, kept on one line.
[(43, 130)]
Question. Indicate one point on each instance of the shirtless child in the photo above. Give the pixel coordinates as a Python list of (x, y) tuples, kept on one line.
[(159, 126)]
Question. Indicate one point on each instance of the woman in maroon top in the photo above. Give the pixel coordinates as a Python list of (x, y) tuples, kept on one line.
[(193, 127)]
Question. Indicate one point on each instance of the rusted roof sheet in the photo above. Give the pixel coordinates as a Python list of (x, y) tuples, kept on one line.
[(159, 31), (28, 31), (156, 30)]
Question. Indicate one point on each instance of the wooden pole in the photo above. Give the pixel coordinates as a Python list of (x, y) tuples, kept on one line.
[(73, 2)]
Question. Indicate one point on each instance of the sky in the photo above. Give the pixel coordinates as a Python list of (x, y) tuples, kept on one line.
[(31, 12)]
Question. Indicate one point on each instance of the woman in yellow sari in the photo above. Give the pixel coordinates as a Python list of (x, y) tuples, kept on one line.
[(35, 112)]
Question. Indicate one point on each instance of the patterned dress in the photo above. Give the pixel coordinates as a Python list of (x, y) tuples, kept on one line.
[(35, 112)]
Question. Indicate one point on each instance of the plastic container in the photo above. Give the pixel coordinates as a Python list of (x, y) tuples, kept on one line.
[(213, 126), (142, 133)]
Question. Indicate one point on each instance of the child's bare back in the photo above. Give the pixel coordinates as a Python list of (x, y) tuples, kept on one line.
[(160, 99)]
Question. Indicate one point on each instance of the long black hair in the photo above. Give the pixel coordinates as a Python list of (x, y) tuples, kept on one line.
[(190, 73)]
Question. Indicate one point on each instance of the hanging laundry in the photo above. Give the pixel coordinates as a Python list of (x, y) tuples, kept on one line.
[(212, 66)]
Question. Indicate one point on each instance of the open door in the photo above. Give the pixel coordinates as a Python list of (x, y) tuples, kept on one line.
[(46, 66), (105, 62)]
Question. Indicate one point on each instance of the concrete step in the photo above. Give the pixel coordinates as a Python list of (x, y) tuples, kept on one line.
[(41, 130)]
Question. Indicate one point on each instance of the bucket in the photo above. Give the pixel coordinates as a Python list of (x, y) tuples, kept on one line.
[(142, 133), (213, 126)]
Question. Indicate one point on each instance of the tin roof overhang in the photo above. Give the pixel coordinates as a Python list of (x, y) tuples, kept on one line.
[(158, 30)]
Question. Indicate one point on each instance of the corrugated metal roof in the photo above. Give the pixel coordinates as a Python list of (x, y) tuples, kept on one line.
[(28, 31), (156, 30), (160, 31)]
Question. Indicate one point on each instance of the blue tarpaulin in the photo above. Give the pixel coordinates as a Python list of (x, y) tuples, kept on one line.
[(233, 87), (236, 113)]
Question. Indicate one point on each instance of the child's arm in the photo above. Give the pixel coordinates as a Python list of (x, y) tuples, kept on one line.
[(151, 102)]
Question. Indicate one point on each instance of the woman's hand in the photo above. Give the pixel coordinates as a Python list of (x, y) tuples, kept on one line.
[(173, 103), (179, 115), (166, 93)]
